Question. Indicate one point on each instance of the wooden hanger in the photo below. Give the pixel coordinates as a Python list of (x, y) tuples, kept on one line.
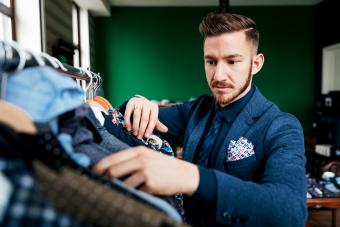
[(16, 118), (96, 104), (103, 102)]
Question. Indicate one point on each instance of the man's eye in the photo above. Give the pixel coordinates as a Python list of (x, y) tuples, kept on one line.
[(210, 62), (232, 62)]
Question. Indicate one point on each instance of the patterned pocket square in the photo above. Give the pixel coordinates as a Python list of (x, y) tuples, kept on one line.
[(240, 149)]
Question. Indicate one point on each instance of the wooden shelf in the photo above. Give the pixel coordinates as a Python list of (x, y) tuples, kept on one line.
[(331, 203), (328, 203)]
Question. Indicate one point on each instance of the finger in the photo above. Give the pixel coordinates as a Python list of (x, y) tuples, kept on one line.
[(152, 121), (125, 168), (135, 180), (136, 120), (147, 189), (103, 165), (144, 121), (161, 127), (127, 115)]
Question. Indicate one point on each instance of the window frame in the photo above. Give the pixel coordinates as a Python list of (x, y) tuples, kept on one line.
[(78, 46), (10, 12)]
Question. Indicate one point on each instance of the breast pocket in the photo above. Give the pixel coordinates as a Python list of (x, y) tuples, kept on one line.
[(244, 169)]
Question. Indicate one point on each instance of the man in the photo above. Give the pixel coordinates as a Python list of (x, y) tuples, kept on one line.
[(244, 160)]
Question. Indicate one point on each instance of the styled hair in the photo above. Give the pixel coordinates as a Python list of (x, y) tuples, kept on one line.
[(215, 24)]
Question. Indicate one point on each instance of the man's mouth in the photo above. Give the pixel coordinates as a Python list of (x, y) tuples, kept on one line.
[(217, 85), (221, 87)]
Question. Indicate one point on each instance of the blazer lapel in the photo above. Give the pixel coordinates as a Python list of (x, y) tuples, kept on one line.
[(253, 109), (196, 133)]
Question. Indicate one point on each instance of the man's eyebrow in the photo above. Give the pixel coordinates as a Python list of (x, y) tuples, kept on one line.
[(233, 56), (227, 56), (209, 56)]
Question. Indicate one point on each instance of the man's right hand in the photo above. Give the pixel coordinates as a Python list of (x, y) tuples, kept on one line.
[(145, 117)]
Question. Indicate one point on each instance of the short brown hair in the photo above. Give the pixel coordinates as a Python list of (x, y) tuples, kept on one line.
[(215, 24)]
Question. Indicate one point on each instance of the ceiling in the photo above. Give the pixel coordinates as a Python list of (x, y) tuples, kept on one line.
[(211, 2), (102, 7)]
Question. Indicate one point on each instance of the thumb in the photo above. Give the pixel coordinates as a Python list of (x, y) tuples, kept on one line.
[(161, 127)]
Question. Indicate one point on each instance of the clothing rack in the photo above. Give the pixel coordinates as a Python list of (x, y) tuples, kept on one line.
[(14, 58)]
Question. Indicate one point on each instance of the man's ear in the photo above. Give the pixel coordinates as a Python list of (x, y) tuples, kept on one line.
[(258, 62)]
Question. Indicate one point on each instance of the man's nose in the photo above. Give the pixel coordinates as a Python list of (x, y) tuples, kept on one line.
[(220, 72)]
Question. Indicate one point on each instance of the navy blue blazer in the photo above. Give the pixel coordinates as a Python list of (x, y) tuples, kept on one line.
[(266, 189)]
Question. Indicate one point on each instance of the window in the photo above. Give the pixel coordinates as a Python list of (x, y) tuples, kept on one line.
[(7, 20)]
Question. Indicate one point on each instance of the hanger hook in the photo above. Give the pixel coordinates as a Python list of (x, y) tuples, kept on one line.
[(22, 57), (96, 83), (91, 85), (37, 58), (59, 64), (88, 73), (100, 80), (50, 60)]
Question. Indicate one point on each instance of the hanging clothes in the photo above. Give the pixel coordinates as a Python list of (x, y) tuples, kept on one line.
[(81, 138), (27, 206), (53, 93), (64, 180)]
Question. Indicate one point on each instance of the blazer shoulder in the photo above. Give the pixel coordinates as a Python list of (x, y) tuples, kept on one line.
[(284, 125), (283, 118)]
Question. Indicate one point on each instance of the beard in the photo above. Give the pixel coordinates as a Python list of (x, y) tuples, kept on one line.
[(226, 99)]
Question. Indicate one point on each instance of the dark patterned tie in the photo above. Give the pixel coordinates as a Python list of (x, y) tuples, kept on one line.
[(210, 139)]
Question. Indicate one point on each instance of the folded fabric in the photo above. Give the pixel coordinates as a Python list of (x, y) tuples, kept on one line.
[(43, 92), (240, 149)]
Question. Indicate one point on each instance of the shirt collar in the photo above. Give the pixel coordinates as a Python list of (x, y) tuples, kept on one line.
[(231, 111)]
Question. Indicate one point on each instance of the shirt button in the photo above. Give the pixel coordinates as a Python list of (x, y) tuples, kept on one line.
[(226, 216)]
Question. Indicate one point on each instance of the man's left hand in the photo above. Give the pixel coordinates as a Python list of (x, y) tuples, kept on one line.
[(153, 172)]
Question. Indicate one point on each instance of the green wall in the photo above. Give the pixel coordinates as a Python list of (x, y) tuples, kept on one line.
[(157, 52)]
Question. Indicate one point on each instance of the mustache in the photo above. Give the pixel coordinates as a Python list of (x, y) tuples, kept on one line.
[(216, 84)]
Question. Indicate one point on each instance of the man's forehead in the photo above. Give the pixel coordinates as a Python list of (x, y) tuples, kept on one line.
[(232, 43), (237, 35)]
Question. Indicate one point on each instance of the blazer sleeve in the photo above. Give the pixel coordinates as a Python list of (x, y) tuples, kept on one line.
[(279, 199), (176, 118)]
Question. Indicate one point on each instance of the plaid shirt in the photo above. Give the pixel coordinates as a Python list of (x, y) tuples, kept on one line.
[(28, 206)]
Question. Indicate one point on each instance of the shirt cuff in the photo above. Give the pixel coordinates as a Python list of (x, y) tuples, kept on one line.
[(206, 191)]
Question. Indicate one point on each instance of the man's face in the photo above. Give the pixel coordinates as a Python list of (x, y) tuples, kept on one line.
[(229, 66)]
